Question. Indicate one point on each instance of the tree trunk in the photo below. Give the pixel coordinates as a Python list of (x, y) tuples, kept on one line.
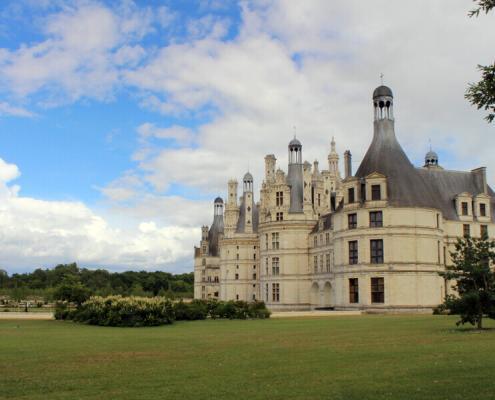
[(480, 321)]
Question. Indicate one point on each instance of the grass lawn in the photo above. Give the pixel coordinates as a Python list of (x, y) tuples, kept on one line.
[(359, 357)]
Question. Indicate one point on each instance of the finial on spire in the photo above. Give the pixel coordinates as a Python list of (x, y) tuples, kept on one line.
[(294, 127), (381, 77), (429, 141)]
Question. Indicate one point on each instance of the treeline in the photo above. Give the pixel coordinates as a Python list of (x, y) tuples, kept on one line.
[(44, 283)]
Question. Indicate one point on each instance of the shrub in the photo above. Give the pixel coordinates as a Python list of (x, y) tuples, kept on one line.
[(124, 311), (195, 310)]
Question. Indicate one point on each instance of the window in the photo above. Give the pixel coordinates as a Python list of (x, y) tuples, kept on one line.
[(484, 231), (275, 292), (215, 294), (315, 264), (376, 247), (377, 290), (321, 239), (353, 252), (203, 262), (327, 238), (363, 192), (438, 220), (237, 297), (280, 216), (254, 297), (279, 199), (254, 276), (464, 208), (204, 249), (216, 279), (376, 219), (353, 290), (266, 265), (275, 242), (376, 193), (254, 256), (466, 230), (315, 241), (319, 199), (236, 276), (321, 262), (327, 262), (352, 221), (482, 210), (350, 195), (275, 266), (266, 292), (238, 256), (266, 241)]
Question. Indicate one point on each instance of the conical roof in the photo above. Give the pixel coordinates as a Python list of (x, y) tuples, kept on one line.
[(406, 187)]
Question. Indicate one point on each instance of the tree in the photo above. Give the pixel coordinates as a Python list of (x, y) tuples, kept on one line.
[(73, 291), (482, 94), (474, 280)]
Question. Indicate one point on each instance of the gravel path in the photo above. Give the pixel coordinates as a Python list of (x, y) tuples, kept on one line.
[(26, 315)]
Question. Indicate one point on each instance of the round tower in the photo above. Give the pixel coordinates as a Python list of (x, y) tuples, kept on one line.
[(248, 182), (218, 206), (431, 159), (333, 159)]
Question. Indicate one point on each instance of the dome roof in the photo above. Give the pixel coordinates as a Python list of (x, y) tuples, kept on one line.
[(382, 91), (431, 155), (248, 177), (295, 142), (218, 200)]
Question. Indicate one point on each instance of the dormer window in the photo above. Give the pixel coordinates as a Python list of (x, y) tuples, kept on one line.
[(482, 210), (279, 199), (376, 193), (464, 208)]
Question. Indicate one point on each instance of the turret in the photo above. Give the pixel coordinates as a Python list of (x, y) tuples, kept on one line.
[(231, 209), (333, 160), (270, 164), (248, 203), (295, 176), (348, 164)]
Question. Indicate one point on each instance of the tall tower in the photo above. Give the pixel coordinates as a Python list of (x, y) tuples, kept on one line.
[(231, 209), (248, 203), (333, 160), (295, 176)]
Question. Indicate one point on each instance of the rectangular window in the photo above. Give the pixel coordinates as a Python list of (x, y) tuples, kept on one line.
[(254, 276), (280, 216), (321, 262), (266, 292), (236, 276), (319, 199), (353, 290), (363, 192), (315, 241), (466, 230), (279, 199), (327, 238), (275, 266), (275, 292), (266, 265), (327, 262), (353, 252), (376, 219), (376, 247), (350, 195), (321, 239), (352, 221), (377, 290), (482, 210), (275, 241), (376, 193), (254, 256), (266, 241), (464, 207), (484, 231), (315, 264)]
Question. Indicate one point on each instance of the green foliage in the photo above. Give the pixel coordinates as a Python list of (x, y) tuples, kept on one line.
[(195, 310), (483, 5), (72, 291), (474, 280), (482, 94), (124, 311), (43, 282)]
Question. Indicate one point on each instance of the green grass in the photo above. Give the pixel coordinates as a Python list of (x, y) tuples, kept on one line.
[(368, 357)]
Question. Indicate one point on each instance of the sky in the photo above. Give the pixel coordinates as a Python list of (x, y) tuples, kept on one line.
[(121, 121)]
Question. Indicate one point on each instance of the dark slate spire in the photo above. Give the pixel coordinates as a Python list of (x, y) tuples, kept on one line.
[(295, 176)]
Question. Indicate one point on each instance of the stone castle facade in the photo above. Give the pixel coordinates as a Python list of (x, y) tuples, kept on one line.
[(373, 240)]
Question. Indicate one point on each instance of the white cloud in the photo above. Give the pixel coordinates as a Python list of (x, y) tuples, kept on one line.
[(9, 110), (35, 233)]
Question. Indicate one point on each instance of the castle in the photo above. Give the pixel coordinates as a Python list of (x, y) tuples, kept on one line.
[(374, 240)]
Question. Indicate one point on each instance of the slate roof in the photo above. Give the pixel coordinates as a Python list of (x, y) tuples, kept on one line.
[(214, 233), (408, 186), (241, 222)]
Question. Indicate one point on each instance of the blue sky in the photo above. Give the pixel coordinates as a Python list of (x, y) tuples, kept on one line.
[(121, 120)]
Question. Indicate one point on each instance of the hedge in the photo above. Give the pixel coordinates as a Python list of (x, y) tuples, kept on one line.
[(144, 311)]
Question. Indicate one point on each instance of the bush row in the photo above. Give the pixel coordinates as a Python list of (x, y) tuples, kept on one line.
[(143, 311)]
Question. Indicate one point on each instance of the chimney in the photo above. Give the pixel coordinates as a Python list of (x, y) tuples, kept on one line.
[(348, 163), (480, 174)]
